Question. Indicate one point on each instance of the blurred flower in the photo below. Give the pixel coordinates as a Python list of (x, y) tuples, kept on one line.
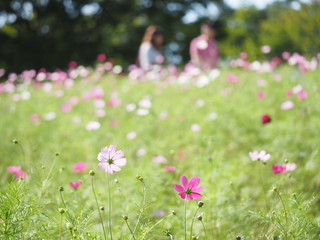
[(265, 119), (189, 190), (159, 213), (111, 160), (14, 169), (243, 55), (259, 156), (35, 117), (74, 184), (130, 107), (202, 44), (232, 78), (72, 64), (145, 103), (93, 125), (79, 167), (101, 57), (286, 55), (131, 135), (266, 49), (195, 128), (261, 95), (290, 167), (287, 105), (141, 152), (302, 95), (289, 93), (159, 159), (114, 102), (66, 107), (100, 113), (261, 82), (49, 116), (142, 112), (278, 169), (20, 174), (213, 116), (169, 168), (297, 89)]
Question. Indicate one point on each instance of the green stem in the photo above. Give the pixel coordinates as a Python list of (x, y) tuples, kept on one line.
[(24, 156), (156, 224), (185, 218), (264, 190), (204, 229), (95, 197), (130, 230), (194, 216), (110, 208), (285, 214), (60, 226), (142, 208), (65, 206)]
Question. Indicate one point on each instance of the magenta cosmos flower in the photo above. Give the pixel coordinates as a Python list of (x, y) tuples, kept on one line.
[(189, 190), (111, 160), (79, 167)]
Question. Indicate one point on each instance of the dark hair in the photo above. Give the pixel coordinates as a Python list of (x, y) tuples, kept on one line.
[(210, 24), (150, 34)]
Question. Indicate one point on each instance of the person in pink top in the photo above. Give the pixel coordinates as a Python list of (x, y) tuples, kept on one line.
[(204, 50)]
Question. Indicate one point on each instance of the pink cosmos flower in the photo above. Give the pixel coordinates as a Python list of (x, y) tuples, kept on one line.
[(261, 95), (111, 160), (170, 168), (14, 169), (79, 167), (232, 78), (265, 119), (35, 117), (290, 167), (243, 55), (289, 93), (278, 169), (72, 64), (266, 49), (101, 57), (259, 156), (302, 95), (20, 174), (74, 184), (189, 190)]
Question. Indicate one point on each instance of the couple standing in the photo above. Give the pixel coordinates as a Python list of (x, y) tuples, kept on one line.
[(204, 51)]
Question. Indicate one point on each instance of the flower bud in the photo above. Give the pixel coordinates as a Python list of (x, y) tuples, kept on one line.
[(57, 154), (174, 212), (140, 178), (61, 189), (195, 237), (69, 226), (199, 217), (125, 217), (62, 210), (200, 204), (91, 173), (15, 141), (102, 208), (116, 180), (274, 189), (238, 238)]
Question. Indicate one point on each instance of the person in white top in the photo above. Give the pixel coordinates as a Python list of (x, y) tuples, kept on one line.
[(150, 49)]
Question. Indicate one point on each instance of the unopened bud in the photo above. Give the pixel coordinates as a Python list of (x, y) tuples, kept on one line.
[(61, 210), (102, 208), (199, 217), (194, 237), (57, 154), (15, 141), (125, 217), (238, 238), (61, 189), (91, 173), (174, 212), (140, 178), (200, 204), (69, 226)]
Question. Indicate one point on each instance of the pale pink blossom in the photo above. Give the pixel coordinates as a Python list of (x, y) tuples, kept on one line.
[(302, 95), (259, 156), (35, 117), (287, 105), (232, 78), (195, 128), (14, 169), (111, 160), (261, 95), (20, 174), (131, 135), (266, 49), (159, 159), (169, 168)]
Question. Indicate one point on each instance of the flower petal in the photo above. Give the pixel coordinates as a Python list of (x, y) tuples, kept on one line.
[(109, 169), (196, 189), (194, 181), (120, 162), (196, 195), (117, 155), (183, 195), (178, 188), (184, 181), (111, 151), (189, 197), (103, 166), (115, 168), (102, 157)]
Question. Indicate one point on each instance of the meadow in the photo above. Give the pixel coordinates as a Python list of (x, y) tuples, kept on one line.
[(168, 124)]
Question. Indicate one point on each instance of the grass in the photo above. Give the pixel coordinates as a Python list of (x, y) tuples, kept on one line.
[(242, 198)]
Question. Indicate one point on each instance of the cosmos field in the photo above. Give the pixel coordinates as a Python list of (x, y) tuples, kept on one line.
[(247, 135)]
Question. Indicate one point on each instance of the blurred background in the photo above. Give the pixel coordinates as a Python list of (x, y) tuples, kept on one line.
[(50, 33)]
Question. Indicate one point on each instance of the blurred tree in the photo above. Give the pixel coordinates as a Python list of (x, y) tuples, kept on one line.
[(50, 33)]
